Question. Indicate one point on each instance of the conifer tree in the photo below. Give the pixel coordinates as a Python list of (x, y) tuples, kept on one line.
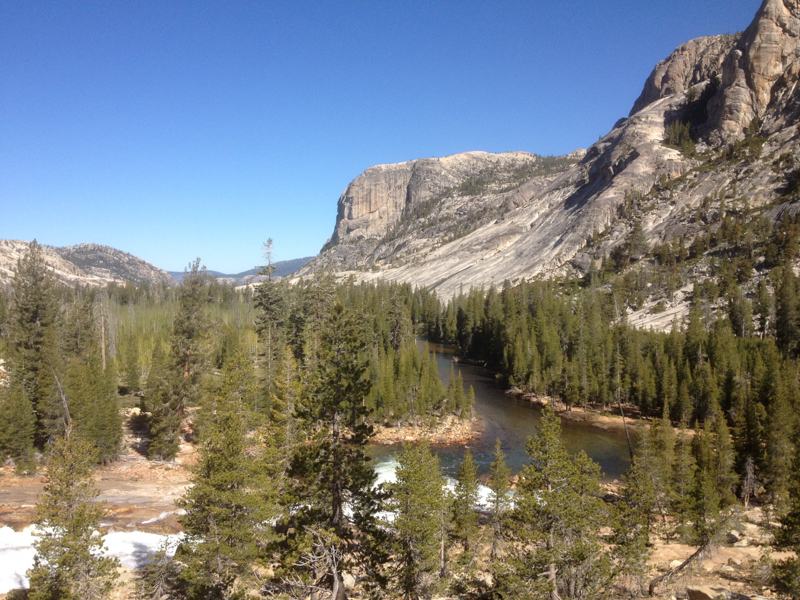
[(555, 550), (17, 428), (331, 470), (633, 520), (189, 332), (680, 492), (500, 494), (417, 499), (465, 507), (781, 428), (787, 571), (132, 369), (32, 339), (707, 502), (271, 318), (787, 328), (286, 400), (68, 564), (229, 500), (162, 403)]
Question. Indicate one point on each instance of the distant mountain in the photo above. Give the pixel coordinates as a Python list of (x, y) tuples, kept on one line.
[(85, 264), (282, 269)]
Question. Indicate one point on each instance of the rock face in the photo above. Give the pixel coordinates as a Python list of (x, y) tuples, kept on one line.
[(86, 264), (383, 195), (759, 70), (690, 64), (478, 219)]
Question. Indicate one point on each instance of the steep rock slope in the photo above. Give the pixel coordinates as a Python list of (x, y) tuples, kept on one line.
[(736, 94), (86, 264)]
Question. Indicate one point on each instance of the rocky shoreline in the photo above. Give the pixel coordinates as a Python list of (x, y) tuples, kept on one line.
[(450, 431), (605, 420)]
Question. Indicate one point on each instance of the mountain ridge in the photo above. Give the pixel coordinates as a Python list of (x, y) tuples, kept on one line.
[(733, 98), (85, 264)]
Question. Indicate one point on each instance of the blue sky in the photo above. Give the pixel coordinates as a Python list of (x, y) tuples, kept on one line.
[(173, 130)]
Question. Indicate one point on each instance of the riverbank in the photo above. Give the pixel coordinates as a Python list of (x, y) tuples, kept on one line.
[(605, 420), (450, 431)]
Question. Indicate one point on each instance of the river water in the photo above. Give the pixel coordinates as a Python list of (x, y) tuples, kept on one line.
[(511, 419)]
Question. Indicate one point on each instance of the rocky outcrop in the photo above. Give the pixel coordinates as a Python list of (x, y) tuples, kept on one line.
[(85, 264), (477, 219), (382, 195), (689, 65), (756, 69), (763, 65)]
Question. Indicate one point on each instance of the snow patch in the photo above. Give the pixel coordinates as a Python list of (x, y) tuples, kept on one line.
[(134, 549)]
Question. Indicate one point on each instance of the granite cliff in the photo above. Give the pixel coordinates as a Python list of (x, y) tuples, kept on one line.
[(475, 219)]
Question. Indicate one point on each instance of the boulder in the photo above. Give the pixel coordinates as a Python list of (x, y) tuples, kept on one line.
[(349, 581), (707, 593)]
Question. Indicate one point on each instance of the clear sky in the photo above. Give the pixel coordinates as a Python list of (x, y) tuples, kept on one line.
[(173, 130)]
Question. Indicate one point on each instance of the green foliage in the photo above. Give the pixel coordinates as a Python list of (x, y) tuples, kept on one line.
[(787, 571), (32, 339), (679, 136), (230, 499), (418, 499), (68, 564), (465, 511), (17, 428), (500, 495), (554, 545), (331, 470)]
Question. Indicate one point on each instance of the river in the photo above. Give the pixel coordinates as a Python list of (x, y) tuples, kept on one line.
[(511, 419)]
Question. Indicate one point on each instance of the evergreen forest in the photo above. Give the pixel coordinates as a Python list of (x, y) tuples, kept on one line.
[(280, 388)]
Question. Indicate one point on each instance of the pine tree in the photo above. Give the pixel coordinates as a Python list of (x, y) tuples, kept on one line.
[(17, 428), (189, 332), (331, 471), (633, 520), (162, 403), (680, 492), (707, 502), (417, 499), (132, 369), (465, 507), (32, 339), (229, 499), (787, 571), (500, 494), (787, 328), (781, 428), (271, 318), (68, 564), (286, 399), (555, 549)]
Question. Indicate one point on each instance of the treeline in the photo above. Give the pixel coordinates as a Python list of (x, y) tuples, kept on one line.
[(70, 350), (573, 344)]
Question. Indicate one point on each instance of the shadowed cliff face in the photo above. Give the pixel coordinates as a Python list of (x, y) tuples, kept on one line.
[(477, 219)]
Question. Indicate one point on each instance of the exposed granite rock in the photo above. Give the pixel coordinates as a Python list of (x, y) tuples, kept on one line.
[(380, 197), (690, 64), (546, 224), (86, 264), (761, 68)]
